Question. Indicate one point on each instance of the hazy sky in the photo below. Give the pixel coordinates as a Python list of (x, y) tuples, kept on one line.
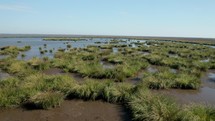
[(185, 18)]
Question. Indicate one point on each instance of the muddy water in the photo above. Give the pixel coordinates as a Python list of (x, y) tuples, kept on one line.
[(57, 71), (205, 95), (74, 110)]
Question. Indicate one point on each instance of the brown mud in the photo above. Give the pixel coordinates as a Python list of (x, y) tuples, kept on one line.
[(72, 110)]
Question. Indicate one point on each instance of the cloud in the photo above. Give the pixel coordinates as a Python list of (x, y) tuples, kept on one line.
[(16, 7)]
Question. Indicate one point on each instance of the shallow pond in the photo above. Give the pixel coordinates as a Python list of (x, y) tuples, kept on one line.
[(72, 110)]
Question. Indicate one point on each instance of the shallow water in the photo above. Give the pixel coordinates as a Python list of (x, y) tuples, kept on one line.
[(205, 60), (136, 78), (205, 95), (56, 71), (73, 110), (212, 46), (173, 70), (3, 56), (107, 65), (173, 55), (152, 69), (115, 50), (35, 43), (3, 75)]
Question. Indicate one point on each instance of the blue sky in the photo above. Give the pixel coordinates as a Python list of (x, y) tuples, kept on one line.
[(183, 18)]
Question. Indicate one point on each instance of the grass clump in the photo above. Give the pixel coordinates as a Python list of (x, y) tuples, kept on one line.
[(186, 81), (117, 92), (91, 89), (196, 112), (39, 64), (13, 50), (146, 106), (11, 94), (44, 83), (164, 79), (46, 100)]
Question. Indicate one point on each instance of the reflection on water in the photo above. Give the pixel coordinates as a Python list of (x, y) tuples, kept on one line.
[(115, 50), (205, 60), (52, 46), (152, 69), (212, 76), (173, 55), (37, 43), (204, 95), (3, 56), (107, 65)]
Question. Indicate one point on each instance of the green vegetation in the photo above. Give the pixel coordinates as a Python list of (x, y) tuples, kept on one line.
[(13, 50), (29, 84), (164, 79), (146, 106), (46, 100)]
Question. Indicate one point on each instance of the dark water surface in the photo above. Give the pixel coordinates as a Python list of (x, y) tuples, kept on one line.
[(72, 110)]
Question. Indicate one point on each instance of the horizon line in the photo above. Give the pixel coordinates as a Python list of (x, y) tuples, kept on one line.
[(2, 35)]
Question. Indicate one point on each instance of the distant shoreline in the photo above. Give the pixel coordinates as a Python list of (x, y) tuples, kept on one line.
[(102, 36)]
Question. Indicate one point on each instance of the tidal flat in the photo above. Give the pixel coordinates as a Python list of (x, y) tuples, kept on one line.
[(117, 79)]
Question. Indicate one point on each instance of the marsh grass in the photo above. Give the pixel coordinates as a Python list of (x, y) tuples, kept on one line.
[(39, 64), (46, 100), (196, 112), (164, 79), (146, 106), (13, 51), (90, 90), (16, 67), (29, 85)]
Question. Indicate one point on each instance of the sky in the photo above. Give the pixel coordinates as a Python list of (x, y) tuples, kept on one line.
[(174, 18)]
